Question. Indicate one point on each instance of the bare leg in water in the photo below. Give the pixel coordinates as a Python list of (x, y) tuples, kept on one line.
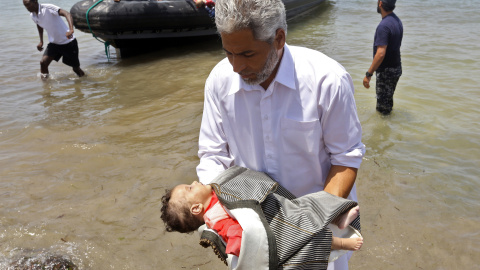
[(47, 60), (44, 63), (78, 71)]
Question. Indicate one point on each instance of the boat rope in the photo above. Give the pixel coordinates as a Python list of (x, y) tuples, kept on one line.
[(107, 44)]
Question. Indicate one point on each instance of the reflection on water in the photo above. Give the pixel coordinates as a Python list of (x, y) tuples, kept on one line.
[(85, 161)]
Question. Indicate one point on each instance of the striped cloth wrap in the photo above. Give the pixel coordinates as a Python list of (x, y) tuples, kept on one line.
[(280, 231)]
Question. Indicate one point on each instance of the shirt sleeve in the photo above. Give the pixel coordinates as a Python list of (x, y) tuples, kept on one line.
[(234, 235), (213, 147), (52, 9), (383, 32), (342, 129), (231, 232)]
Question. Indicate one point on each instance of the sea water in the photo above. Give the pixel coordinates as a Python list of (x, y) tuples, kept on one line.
[(84, 161)]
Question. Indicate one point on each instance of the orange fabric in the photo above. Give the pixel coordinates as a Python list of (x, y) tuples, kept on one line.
[(226, 226)]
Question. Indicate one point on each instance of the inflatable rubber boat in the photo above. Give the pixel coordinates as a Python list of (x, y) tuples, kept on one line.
[(136, 23)]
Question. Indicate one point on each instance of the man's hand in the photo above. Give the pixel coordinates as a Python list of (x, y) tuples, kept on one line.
[(377, 60), (366, 82), (69, 34), (40, 46)]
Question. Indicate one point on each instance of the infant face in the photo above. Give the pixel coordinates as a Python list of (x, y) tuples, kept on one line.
[(193, 193)]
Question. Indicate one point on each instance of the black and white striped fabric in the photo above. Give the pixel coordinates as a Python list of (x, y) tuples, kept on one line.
[(294, 230)]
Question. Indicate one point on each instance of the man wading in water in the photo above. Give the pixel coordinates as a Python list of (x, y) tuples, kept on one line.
[(61, 38), (386, 56)]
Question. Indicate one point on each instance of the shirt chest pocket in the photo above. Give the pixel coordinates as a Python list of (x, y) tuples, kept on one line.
[(301, 137)]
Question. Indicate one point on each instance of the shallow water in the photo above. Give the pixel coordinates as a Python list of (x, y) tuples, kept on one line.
[(84, 162)]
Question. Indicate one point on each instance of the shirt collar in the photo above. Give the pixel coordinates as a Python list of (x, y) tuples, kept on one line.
[(285, 75), (286, 71)]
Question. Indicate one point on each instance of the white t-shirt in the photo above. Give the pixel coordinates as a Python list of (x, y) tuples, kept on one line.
[(49, 19), (294, 131)]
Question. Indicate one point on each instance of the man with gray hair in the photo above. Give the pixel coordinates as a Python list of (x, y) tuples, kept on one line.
[(284, 110)]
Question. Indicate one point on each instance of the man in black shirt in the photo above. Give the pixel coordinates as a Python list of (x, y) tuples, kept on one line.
[(386, 56)]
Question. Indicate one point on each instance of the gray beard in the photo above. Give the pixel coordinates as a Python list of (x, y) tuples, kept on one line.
[(267, 70)]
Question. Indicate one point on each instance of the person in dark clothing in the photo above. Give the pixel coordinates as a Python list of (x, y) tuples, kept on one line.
[(386, 56)]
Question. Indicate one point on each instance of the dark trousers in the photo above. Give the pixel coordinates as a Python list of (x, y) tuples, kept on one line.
[(69, 52), (386, 83)]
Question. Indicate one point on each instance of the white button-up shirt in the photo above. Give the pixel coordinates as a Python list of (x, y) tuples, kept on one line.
[(49, 19), (294, 131)]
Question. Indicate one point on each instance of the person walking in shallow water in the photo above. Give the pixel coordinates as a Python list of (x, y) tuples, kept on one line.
[(386, 56), (61, 38)]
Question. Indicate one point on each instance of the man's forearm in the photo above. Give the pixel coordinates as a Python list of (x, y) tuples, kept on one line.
[(340, 180), (378, 59), (40, 32), (67, 16)]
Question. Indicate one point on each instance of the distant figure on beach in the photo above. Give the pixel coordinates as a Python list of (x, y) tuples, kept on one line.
[(386, 56), (62, 41), (299, 224), (209, 5), (285, 110)]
